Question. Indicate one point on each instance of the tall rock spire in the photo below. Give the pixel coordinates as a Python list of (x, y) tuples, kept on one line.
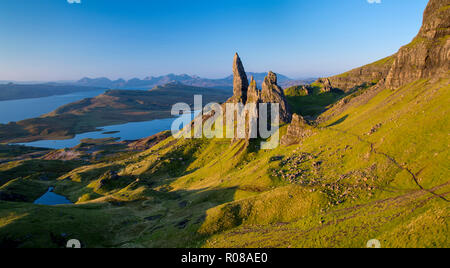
[(240, 81), (252, 116), (253, 95), (272, 93)]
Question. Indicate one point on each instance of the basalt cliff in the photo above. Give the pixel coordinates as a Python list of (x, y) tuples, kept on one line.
[(427, 56)]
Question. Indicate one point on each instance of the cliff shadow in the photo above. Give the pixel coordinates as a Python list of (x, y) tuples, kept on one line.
[(315, 103), (339, 121)]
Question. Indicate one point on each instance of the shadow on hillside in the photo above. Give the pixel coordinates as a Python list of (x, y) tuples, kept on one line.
[(185, 222), (176, 224), (314, 104), (339, 121)]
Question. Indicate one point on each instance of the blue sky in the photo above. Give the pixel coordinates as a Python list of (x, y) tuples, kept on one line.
[(46, 40)]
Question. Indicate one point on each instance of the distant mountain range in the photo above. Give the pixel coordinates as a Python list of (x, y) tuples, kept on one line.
[(10, 91), (38, 89), (196, 81)]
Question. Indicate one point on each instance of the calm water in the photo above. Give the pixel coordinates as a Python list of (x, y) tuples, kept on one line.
[(16, 110), (129, 131), (51, 199)]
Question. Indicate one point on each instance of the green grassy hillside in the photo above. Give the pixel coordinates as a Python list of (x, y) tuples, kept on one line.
[(375, 167), (383, 169)]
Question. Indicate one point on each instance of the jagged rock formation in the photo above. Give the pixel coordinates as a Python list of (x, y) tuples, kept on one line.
[(428, 55), (327, 87), (240, 81), (253, 97), (297, 131), (272, 93), (253, 93), (246, 93)]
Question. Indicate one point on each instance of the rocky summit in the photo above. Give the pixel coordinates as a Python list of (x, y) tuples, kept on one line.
[(427, 56)]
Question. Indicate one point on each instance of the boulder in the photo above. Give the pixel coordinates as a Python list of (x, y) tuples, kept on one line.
[(297, 131)]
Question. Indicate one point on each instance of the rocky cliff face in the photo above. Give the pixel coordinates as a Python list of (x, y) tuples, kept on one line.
[(368, 74), (428, 55)]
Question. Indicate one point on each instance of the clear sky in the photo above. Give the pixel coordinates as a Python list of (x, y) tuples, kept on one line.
[(44, 40)]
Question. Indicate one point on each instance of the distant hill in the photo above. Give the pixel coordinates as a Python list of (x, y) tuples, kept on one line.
[(112, 107), (196, 81), (160, 98), (26, 90), (12, 91)]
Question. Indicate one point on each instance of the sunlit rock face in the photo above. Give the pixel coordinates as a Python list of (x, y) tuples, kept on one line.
[(240, 81), (428, 55), (249, 94), (297, 131), (252, 115), (272, 93)]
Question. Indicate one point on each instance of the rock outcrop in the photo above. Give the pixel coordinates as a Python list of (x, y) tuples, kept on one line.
[(253, 93), (147, 143), (428, 55), (327, 87), (246, 93), (367, 75), (272, 93), (297, 131), (252, 115), (240, 81)]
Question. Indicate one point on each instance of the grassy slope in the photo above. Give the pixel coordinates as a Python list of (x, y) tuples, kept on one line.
[(312, 104), (339, 188), (212, 194), (415, 126)]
